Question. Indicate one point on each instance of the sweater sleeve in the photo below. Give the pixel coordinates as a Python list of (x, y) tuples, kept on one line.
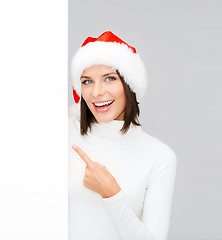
[(155, 220)]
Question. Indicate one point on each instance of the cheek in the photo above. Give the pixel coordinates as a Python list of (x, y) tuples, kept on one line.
[(120, 94), (123, 100), (117, 89)]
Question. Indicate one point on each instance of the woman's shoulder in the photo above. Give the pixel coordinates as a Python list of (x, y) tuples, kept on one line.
[(160, 146)]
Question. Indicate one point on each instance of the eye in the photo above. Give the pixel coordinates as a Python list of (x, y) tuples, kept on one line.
[(85, 82), (111, 78)]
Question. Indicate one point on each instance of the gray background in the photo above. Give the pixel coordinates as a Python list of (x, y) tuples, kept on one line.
[(180, 43)]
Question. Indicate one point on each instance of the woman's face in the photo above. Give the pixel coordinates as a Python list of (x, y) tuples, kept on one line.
[(102, 85)]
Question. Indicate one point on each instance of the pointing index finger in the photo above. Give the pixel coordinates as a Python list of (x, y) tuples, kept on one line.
[(83, 155)]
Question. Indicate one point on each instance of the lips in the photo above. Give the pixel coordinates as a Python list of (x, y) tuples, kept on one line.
[(103, 108), (102, 102)]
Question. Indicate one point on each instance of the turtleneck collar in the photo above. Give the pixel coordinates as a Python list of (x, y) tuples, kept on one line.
[(112, 128)]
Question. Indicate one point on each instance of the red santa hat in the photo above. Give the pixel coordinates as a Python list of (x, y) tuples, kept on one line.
[(109, 50)]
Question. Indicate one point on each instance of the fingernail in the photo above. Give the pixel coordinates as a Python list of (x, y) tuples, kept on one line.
[(74, 146)]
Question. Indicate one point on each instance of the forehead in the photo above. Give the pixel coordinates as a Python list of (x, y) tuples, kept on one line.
[(98, 70)]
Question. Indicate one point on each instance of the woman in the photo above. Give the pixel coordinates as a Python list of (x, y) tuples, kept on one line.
[(121, 179)]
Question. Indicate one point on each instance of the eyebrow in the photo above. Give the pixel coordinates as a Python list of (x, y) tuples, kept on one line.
[(102, 75)]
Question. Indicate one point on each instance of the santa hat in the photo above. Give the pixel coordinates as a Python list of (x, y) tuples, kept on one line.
[(109, 50)]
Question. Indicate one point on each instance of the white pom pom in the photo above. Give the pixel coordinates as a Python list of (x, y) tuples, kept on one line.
[(74, 111)]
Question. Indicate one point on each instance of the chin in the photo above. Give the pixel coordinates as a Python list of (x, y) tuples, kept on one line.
[(101, 120), (104, 119)]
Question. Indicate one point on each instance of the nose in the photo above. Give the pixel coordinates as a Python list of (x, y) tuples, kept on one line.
[(98, 89)]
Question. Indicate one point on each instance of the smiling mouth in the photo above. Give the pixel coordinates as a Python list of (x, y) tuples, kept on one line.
[(103, 104)]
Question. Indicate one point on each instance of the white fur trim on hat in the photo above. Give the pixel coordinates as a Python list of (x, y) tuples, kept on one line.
[(74, 111), (113, 54)]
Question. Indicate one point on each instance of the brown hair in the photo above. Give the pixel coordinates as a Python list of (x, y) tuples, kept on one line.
[(132, 111)]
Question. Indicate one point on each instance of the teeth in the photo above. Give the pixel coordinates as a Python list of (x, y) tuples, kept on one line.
[(102, 104)]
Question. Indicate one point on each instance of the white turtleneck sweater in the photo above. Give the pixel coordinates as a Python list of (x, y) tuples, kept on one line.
[(144, 168)]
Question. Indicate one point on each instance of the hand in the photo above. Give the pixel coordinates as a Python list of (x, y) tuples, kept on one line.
[(97, 177)]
